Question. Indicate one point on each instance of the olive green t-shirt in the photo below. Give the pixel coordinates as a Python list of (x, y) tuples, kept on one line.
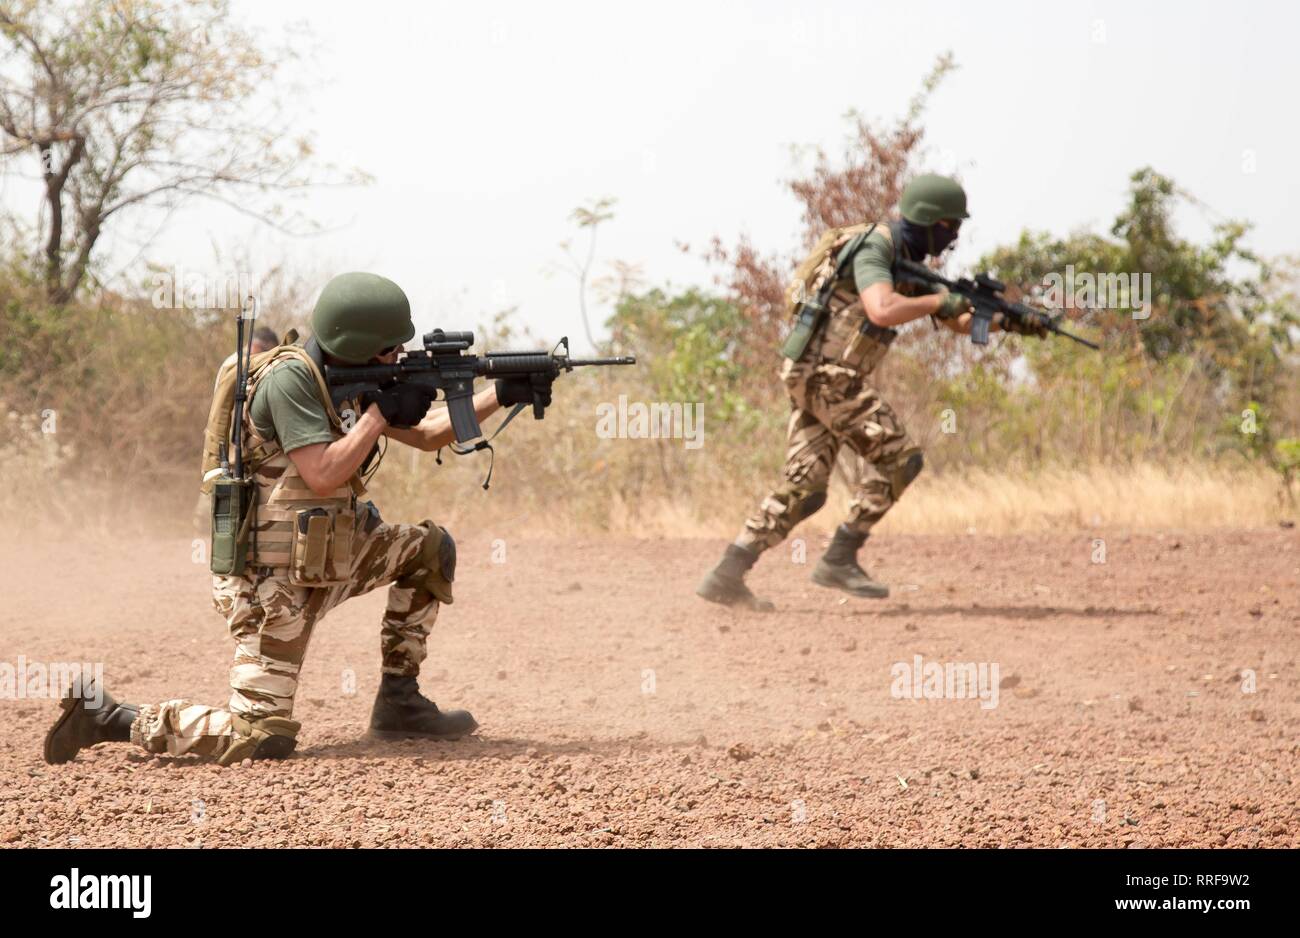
[(287, 407), (873, 261), (871, 264)]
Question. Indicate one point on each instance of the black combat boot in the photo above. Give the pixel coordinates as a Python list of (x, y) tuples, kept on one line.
[(725, 583), (83, 723), (401, 710), (839, 568)]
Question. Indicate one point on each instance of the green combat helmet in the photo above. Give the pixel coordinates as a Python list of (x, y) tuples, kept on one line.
[(929, 198), (359, 315)]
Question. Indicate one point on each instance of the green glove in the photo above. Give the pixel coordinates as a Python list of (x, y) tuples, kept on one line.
[(952, 305)]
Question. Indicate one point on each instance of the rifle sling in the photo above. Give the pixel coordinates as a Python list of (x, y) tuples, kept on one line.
[(841, 263), (485, 444)]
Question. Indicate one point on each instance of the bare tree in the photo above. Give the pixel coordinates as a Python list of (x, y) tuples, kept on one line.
[(590, 217), (125, 104), (862, 183)]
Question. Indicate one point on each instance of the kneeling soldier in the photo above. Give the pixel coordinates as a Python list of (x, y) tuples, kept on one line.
[(314, 543)]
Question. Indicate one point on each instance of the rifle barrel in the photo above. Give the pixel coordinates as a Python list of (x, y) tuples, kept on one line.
[(620, 360), (1079, 339)]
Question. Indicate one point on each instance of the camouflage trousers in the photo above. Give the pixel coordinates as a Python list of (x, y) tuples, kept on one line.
[(834, 407), (271, 622)]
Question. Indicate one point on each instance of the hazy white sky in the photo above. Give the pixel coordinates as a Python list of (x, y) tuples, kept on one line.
[(485, 124)]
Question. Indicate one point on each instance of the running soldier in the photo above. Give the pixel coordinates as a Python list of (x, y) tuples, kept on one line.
[(834, 401), (315, 544)]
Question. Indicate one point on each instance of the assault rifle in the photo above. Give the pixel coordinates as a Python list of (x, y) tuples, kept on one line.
[(985, 295), (445, 364)]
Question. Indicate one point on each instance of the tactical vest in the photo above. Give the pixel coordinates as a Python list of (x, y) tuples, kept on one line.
[(294, 529), (848, 337)]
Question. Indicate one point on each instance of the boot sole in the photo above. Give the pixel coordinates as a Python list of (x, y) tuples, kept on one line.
[(68, 704), (412, 734), (276, 747), (880, 593)]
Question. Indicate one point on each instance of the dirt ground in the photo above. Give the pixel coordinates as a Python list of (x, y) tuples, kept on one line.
[(1152, 699)]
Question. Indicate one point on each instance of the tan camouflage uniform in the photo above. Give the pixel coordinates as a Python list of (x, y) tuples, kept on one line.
[(834, 404), (271, 619), (271, 622)]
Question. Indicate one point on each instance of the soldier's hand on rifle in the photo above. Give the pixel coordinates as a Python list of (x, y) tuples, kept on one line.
[(403, 405), (952, 305), (1021, 326), (531, 389)]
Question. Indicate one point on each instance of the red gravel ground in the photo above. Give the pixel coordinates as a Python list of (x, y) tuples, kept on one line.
[(617, 709)]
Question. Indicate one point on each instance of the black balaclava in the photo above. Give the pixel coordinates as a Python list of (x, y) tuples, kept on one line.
[(926, 239)]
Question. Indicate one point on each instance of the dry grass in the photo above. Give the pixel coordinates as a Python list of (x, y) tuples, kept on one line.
[(1145, 497)]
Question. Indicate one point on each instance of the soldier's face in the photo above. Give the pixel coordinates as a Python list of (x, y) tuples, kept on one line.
[(388, 356)]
